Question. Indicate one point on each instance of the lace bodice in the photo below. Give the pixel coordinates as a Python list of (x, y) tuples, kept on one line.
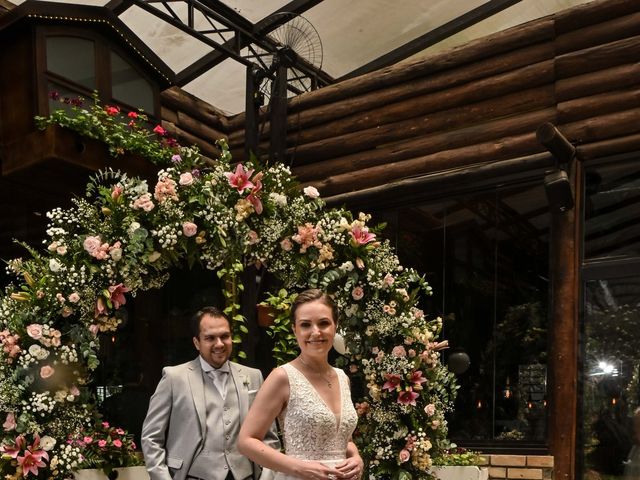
[(310, 429)]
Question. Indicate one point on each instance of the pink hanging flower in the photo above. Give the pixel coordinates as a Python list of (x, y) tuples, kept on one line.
[(120, 431), (117, 295), (393, 381), (102, 443), (117, 443), (112, 110), (361, 236), (240, 178), (407, 397), (87, 439), (160, 131)]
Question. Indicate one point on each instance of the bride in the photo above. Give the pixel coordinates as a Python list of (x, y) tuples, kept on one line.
[(312, 402)]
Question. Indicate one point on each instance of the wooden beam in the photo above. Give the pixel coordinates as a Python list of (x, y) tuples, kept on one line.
[(563, 331)]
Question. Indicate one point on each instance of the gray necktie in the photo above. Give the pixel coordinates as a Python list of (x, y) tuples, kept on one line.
[(219, 378)]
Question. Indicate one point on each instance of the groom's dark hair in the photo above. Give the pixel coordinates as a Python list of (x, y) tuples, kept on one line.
[(197, 318)]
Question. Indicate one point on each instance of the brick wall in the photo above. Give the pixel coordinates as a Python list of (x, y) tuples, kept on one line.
[(530, 467)]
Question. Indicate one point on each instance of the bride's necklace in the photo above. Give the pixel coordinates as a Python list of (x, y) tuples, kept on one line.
[(325, 376)]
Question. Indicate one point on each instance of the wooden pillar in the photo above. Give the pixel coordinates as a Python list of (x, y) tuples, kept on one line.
[(564, 327)]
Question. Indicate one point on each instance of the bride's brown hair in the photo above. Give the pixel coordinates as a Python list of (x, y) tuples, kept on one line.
[(312, 295)]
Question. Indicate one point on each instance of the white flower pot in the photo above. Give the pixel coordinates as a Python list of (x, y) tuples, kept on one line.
[(125, 473), (470, 472)]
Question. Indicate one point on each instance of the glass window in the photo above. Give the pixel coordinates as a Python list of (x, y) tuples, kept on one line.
[(72, 58), (611, 378), (128, 86), (486, 257), (610, 414)]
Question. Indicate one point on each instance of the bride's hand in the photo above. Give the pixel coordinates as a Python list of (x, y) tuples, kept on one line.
[(351, 468), (317, 471)]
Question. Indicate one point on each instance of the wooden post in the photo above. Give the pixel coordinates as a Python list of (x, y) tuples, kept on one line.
[(563, 330)]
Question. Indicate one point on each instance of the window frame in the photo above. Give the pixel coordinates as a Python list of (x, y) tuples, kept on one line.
[(103, 47)]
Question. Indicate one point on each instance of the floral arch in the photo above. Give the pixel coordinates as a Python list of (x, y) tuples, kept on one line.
[(124, 236)]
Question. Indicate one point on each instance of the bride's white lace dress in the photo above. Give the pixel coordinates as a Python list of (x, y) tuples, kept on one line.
[(311, 431)]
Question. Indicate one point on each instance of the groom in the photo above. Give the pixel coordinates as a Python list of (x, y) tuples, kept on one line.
[(194, 416)]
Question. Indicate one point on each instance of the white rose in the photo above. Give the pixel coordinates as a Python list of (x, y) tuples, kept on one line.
[(311, 192), (133, 227), (47, 443), (54, 265), (278, 199), (34, 350), (116, 254)]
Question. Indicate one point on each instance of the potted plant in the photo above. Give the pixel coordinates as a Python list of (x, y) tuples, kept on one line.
[(457, 463), (108, 451)]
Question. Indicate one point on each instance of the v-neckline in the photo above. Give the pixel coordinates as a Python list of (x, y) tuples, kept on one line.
[(338, 416)]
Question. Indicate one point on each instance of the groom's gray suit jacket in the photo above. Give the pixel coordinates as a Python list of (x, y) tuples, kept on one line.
[(174, 429)]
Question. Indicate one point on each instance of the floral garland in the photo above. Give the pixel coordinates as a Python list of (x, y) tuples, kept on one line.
[(124, 236)]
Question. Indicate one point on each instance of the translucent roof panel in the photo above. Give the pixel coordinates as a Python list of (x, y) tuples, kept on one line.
[(352, 33)]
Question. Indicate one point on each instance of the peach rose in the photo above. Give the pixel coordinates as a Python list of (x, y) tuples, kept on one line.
[(189, 229), (46, 371)]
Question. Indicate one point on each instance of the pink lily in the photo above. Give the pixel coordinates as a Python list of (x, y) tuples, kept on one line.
[(361, 236), (240, 178), (392, 382), (253, 197), (417, 378), (117, 295), (32, 460), (14, 450), (407, 397)]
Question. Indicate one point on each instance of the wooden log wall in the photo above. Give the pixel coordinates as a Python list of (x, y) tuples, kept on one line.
[(192, 121), (477, 104)]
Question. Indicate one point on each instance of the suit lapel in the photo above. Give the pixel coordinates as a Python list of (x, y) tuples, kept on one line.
[(197, 392), (239, 378)]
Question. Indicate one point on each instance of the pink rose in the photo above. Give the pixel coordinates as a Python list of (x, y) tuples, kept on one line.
[(34, 331), (87, 439), (186, 179), (253, 237), (357, 293), (74, 391), (74, 297), (117, 443), (46, 371), (430, 409), (102, 443), (143, 202), (388, 280), (92, 244), (189, 229), (10, 422), (399, 351), (404, 455), (286, 245)]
